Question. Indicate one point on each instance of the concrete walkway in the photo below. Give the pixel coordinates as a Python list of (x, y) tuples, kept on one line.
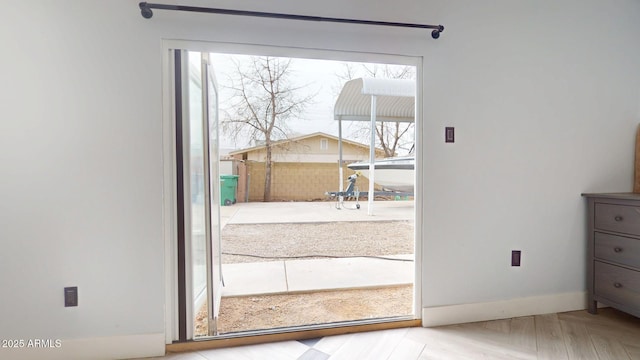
[(295, 276)]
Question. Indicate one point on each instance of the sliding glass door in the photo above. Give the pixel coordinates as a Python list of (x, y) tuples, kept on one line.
[(200, 193), (214, 250)]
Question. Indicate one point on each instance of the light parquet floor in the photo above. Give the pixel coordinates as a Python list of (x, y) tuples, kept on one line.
[(573, 335)]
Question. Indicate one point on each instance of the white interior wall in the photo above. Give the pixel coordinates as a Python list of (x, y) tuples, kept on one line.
[(544, 96)]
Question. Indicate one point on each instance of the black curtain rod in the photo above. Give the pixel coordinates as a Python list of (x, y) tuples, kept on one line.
[(145, 9)]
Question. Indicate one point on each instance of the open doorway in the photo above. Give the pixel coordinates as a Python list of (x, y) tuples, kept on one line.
[(307, 257)]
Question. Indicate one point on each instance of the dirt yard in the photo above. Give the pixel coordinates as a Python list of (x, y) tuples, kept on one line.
[(275, 311), (269, 242)]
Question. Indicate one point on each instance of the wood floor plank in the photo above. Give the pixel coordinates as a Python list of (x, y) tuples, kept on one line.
[(468, 341), (503, 326), (444, 352), (575, 335), (497, 342), (621, 335), (373, 345), (608, 348), (407, 349), (331, 344), (633, 351), (523, 333), (582, 316), (450, 345), (549, 337), (313, 354), (606, 316), (589, 319), (577, 341), (620, 317), (285, 350)]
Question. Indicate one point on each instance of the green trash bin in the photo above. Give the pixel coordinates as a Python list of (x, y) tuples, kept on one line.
[(228, 186)]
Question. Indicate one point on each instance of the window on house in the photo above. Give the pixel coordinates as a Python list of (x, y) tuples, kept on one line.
[(324, 144)]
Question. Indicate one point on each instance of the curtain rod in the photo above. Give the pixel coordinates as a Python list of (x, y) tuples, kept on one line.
[(147, 13)]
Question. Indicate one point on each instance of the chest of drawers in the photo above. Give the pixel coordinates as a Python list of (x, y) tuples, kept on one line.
[(613, 251)]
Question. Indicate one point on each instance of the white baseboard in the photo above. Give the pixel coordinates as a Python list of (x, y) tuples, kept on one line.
[(114, 347), (504, 309)]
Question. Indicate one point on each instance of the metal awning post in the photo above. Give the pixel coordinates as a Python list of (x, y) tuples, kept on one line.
[(374, 100), (340, 174), (372, 156)]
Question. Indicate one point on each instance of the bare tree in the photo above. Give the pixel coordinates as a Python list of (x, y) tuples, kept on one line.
[(263, 101), (392, 136)]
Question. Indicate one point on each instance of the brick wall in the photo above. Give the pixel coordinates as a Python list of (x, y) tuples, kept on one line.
[(297, 181)]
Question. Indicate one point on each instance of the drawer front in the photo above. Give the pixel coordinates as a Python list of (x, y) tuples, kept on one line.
[(618, 249), (618, 218), (617, 284)]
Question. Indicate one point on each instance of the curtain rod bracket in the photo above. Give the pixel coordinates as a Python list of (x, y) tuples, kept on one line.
[(145, 10), (147, 13)]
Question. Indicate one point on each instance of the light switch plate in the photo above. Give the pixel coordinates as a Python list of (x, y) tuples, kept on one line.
[(515, 258), (449, 134)]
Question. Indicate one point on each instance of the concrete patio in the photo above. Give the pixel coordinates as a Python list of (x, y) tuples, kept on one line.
[(295, 212)]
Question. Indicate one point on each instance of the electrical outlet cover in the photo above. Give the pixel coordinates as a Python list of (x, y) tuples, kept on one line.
[(71, 296)]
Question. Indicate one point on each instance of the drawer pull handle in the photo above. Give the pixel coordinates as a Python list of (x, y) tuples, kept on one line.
[(617, 249), (618, 218), (617, 285)]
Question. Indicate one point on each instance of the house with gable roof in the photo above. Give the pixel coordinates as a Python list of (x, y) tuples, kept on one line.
[(304, 167)]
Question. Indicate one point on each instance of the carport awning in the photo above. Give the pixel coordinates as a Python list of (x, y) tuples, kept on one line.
[(373, 100), (395, 100)]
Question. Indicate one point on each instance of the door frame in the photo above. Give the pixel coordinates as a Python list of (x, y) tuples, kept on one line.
[(169, 159)]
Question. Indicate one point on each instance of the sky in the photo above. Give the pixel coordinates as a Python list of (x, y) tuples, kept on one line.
[(321, 78)]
